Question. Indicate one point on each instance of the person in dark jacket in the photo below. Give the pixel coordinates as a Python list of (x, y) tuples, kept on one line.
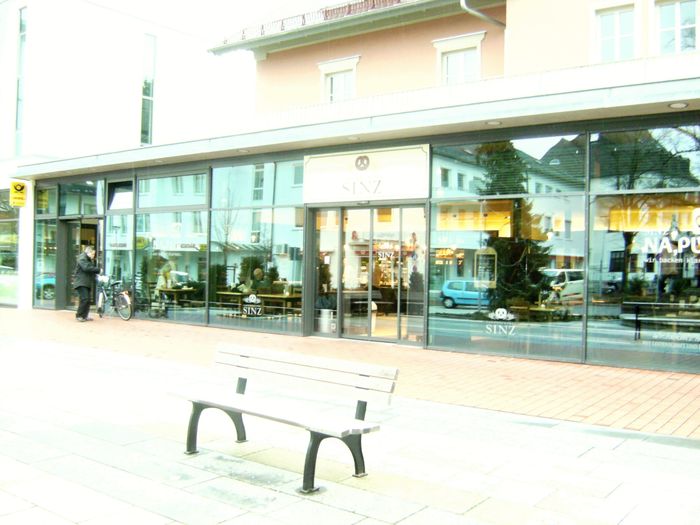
[(85, 270)]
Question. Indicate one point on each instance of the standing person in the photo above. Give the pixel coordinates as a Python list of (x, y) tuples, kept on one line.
[(85, 270)]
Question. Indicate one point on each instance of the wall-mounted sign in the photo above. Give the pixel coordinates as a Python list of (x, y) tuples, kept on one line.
[(18, 194), (374, 175)]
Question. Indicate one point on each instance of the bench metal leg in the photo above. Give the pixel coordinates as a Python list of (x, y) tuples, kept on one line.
[(197, 409), (310, 462), (354, 443), (237, 419), (192, 428)]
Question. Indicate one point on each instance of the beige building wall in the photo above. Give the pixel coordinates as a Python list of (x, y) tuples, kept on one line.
[(545, 35), (393, 60)]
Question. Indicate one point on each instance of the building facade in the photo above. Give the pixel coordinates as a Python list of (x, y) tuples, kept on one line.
[(414, 175)]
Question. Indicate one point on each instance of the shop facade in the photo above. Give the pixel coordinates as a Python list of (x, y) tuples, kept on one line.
[(577, 242)]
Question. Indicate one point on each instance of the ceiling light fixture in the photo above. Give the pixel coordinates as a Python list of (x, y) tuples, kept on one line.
[(678, 105), (493, 123)]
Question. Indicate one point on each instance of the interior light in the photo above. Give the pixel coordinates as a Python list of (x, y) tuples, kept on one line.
[(678, 105), (493, 123)]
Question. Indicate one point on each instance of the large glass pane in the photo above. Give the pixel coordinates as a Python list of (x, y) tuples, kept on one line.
[(171, 255), (118, 252), (289, 183), (81, 198), (645, 159), (247, 185), (506, 276), (413, 253), (120, 195), (45, 263), (182, 190), (326, 252), (46, 201), (256, 269), (644, 287), (358, 272), (541, 165), (8, 262)]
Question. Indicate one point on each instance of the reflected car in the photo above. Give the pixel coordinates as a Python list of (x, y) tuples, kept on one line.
[(566, 284), (45, 286), (462, 292)]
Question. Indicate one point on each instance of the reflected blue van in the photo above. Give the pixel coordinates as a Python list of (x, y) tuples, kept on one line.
[(462, 292)]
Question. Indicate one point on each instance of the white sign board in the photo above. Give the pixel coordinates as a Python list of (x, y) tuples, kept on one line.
[(374, 175)]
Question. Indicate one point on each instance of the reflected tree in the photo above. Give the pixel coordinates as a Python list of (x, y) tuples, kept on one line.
[(519, 256)]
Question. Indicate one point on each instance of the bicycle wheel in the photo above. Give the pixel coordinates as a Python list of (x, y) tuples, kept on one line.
[(124, 308), (101, 304)]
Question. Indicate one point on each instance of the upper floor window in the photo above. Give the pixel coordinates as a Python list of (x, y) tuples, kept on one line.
[(616, 34), (677, 21), (259, 182), (459, 58), (149, 67), (338, 79)]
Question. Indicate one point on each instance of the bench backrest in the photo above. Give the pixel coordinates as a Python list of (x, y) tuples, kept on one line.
[(358, 381)]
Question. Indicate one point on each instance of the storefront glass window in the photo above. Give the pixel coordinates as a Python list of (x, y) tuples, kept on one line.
[(182, 190), (45, 263), (120, 195), (46, 201), (118, 250), (8, 250), (644, 281), (256, 269), (541, 165), (289, 182), (645, 159), (250, 184), (508, 274), (82, 198), (171, 269)]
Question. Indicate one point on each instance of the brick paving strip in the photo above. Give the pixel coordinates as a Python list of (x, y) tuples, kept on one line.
[(645, 400)]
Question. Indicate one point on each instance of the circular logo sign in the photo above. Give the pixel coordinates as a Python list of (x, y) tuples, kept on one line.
[(362, 162)]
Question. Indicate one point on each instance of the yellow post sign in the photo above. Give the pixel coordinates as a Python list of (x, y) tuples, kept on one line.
[(18, 194)]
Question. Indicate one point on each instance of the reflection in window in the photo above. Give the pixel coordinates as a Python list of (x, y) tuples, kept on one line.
[(253, 254), (81, 198), (616, 34), (644, 280), (45, 263), (120, 195), (506, 265), (511, 167), (646, 159), (46, 201), (234, 186), (118, 248), (677, 26), (9, 229), (170, 191), (171, 272)]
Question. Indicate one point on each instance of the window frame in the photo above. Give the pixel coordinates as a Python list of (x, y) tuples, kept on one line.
[(677, 26), (330, 69), (450, 45), (617, 11)]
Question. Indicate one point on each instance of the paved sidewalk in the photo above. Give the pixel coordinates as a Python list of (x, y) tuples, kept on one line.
[(666, 403), (90, 433)]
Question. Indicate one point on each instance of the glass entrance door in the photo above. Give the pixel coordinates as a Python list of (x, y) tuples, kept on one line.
[(79, 234), (379, 255)]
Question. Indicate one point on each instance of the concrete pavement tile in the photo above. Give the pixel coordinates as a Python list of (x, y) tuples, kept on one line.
[(678, 513), (528, 493), (12, 471), (590, 509), (151, 496), (371, 521), (495, 511), (26, 450), (130, 515), (10, 503), (243, 470), (252, 518), (312, 513), (383, 508), (293, 461), (430, 516), (418, 491), (243, 495), (64, 498), (34, 516)]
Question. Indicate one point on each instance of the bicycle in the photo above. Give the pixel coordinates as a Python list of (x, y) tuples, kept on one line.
[(117, 298)]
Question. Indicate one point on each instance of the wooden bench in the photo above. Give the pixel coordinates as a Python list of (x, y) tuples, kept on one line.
[(290, 375)]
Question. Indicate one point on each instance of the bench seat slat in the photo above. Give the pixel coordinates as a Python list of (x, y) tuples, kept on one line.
[(366, 369), (283, 413), (308, 372)]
